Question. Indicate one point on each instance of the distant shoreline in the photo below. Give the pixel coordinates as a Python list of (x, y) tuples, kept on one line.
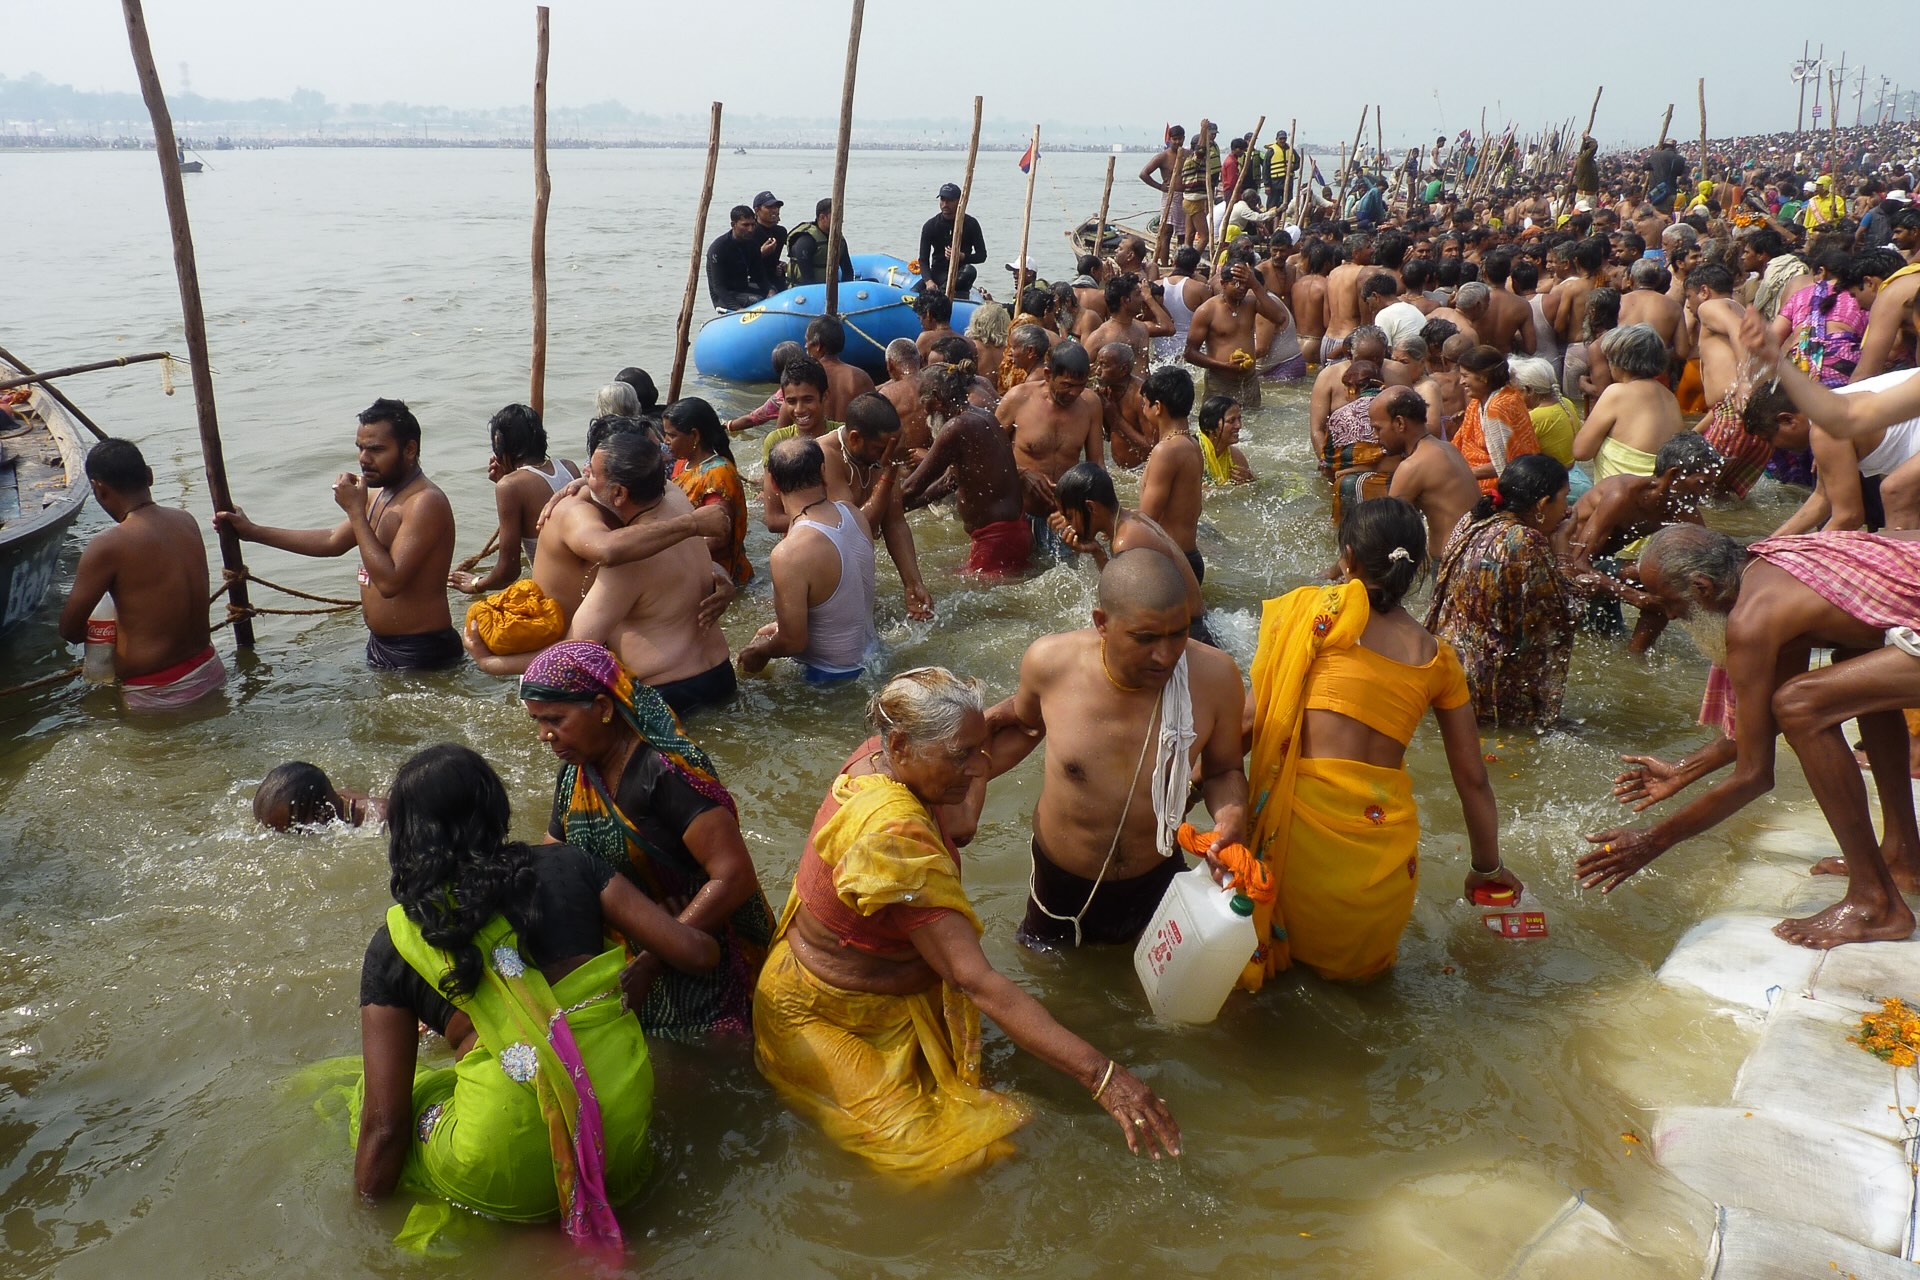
[(19, 145)]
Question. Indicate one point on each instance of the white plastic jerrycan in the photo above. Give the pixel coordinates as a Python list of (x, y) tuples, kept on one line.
[(1191, 954)]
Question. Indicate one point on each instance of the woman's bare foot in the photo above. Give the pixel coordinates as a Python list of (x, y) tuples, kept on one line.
[(1834, 866), (1849, 921)]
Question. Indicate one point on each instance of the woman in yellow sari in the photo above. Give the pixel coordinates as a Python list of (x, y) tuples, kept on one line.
[(867, 1015), (1342, 677)]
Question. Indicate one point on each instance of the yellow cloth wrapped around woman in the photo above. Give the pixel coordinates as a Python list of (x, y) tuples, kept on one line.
[(894, 1079), (521, 619)]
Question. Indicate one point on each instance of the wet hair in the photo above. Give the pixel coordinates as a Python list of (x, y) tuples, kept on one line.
[(794, 464), (608, 425), (1321, 257), (1390, 249), (1404, 402), (1084, 483), (303, 790), (1684, 551), (642, 383), (694, 416), (1416, 273), (804, 371), (1635, 350), (933, 305), (1644, 272), (1388, 540), (1534, 375), (1087, 264), (1767, 241), (616, 398), (1590, 254), (953, 349), (1711, 276), (1447, 274), (1470, 295), (928, 704), (1185, 259), (1037, 300), (1528, 481), (1067, 358), (1171, 388), (1603, 312), (1368, 333), (903, 352), (1436, 332), (828, 334), (989, 324), (943, 388), (453, 868), (399, 419), (1523, 274), (1213, 412), (872, 414), (784, 354), (635, 463), (1413, 347), (1119, 289), (1687, 452), (119, 465), (1489, 363), (1498, 265), (517, 434), (1028, 337), (1379, 283), (1879, 263), (1764, 409)]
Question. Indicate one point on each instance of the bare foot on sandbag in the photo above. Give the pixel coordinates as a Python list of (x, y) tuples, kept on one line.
[(1849, 921)]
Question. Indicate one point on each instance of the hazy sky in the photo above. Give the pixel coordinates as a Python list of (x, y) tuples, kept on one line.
[(1031, 59)]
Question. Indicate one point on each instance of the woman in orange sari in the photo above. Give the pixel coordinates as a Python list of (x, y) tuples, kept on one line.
[(705, 471), (1342, 678), (867, 1015), (1497, 427)]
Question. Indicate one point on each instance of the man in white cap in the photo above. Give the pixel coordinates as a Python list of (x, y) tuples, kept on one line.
[(936, 245)]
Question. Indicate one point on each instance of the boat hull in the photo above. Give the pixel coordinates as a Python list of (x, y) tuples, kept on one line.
[(738, 346), (30, 545)]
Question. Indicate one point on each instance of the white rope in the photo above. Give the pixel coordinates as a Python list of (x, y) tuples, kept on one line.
[(1033, 890)]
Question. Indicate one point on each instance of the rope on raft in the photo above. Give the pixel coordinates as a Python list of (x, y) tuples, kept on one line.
[(56, 678)]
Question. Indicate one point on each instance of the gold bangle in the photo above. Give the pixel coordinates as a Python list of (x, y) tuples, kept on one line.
[(1104, 1081)]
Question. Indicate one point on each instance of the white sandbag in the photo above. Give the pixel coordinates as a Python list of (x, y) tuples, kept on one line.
[(1803, 1064), (1758, 1246), (1791, 1166), (1738, 961), (1582, 1241), (1861, 975)]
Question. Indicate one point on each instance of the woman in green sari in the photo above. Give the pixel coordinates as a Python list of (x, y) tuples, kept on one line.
[(501, 948)]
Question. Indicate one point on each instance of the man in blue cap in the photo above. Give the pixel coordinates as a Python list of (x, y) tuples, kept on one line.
[(936, 245)]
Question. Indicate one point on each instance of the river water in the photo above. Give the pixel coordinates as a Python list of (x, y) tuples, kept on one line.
[(167, 970)]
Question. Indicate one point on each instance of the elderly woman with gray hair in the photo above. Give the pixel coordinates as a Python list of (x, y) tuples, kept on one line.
[(1636, 414), (1555, 418), (867, 1014)]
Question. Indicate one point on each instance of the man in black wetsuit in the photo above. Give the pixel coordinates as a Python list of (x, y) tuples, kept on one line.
[(936, 245), (769, 240), (734, 277)]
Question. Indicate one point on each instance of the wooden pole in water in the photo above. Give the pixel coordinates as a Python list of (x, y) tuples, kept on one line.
[(1163, 243), (1026, 222), (684, 332), (1666, 121), (1379, 142), (1293, 161), (1704, 175), (840, 157), (1100, 223), (1352, 162), (47, 375), (193, 318), (960, 215), (542, 194)]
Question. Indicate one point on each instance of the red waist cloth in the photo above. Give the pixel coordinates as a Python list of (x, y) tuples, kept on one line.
[(167, 675), (885, 931), (1000, 549)]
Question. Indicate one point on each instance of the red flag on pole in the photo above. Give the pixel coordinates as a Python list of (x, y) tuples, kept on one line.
[(1026, 159)]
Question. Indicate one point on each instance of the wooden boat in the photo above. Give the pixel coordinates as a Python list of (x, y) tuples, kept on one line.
[(191, 166), (43, 485)]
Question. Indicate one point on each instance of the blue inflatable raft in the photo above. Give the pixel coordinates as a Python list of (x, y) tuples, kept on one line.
[(738, 346)]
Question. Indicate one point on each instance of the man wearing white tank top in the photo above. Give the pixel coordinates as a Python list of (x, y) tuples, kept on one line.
[(822, 576)]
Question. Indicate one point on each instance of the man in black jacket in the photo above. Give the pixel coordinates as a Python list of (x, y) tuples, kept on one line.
[(807, 249), (734, 273), (936, 245)]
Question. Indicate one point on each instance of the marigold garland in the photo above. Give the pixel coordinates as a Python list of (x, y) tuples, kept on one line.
[(1891, 1035)]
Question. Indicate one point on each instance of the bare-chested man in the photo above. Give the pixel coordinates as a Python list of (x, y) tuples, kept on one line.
[(1172, 485), (1123, 414), (1090, 511), (1567, 305), (1132, 711), (524, 478), (972, 457), (902, 391), (1310, 298), (154, 566), (1343, 290), (1126, 300), (1429, 473), (859, 470), (1162, 172), (826, 339), (1647, 303), (1223, 339), (1507, 323), (1471, 304), (935, 310), (404, 537), (1054, 423)]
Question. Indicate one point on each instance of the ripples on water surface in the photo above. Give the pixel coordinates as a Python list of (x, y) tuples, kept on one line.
[(167, 968)]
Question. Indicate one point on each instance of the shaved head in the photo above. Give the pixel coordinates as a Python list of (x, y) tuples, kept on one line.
[(1141, 580)]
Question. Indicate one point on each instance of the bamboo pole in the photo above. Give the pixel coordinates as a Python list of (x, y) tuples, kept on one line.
[(1210, 132), (115, 363), (193, 317), (840, 156), (1666, 121), (1163, 243), (960, 215), (1100, 223), (1704, 176), (1379, 142), (684, 330), (1353, 160), (1293, 160), (1026, 221), (542, 194), (1593, 111), (58, 396)]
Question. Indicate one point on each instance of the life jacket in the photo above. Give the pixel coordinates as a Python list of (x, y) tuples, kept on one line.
[(1280, 162), (1193, 178), (821, 254)]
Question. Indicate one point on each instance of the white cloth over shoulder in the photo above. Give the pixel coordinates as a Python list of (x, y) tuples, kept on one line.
[(1172, 761)]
